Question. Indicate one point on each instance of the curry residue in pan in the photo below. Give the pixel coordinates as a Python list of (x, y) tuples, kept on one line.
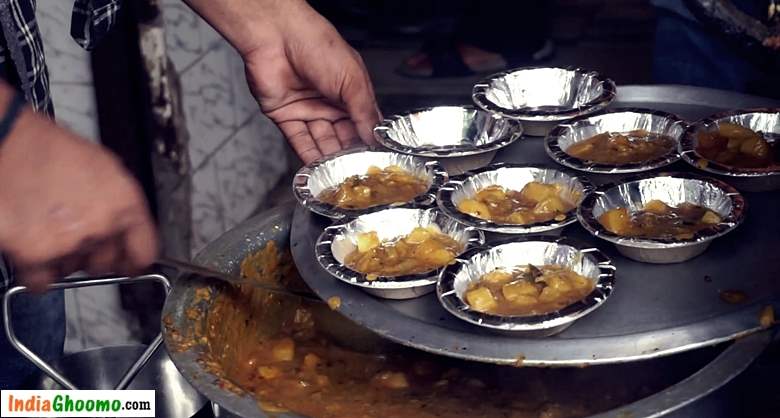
[(384, 186), (618, 148), (278, 349), (536, 202)]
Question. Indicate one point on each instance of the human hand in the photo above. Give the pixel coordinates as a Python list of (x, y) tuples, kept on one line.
[(773, 42), (315, 87), (66, 205)]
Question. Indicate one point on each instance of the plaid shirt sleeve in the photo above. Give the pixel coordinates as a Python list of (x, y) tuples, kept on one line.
[(91, 20)]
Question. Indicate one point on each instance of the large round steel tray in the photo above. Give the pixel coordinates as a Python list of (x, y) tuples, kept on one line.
[(656, 310), (671, 382)]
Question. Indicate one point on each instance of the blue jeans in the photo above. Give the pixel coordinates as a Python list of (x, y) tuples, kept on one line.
[(39, 323), (687, 53)]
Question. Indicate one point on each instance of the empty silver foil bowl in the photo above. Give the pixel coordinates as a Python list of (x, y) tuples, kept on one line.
[(338, 241), (333, 169), (512, 177), (541, 96), (672, 189), (447, 131), (537, 250), (620, 120), (764, 121)]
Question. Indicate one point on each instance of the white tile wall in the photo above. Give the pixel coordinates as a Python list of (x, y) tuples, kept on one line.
[(94, 316), (237, 154)]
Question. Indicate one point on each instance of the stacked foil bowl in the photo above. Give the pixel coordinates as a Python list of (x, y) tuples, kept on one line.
[(542, 97)]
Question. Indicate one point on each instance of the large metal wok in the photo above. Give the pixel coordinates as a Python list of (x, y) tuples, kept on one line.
[(675, 381)]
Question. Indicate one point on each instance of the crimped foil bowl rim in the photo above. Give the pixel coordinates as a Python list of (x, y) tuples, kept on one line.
[(687, 147), (560, 156), (452, 303), (449, 151), (328, 262), (608, 94), (445, 204), (728, 224), (303, 194)]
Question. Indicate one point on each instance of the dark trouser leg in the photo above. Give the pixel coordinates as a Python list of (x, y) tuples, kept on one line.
[(509, 27), (686, 53), (39, 323)]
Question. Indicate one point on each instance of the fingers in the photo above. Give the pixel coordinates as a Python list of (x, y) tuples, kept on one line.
[(297, 134), (141, 245), (104, 257), (37, 278), (358, 96), (312, 140), (324, 136), (345, 131)]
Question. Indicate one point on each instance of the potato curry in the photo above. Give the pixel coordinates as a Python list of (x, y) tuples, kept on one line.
[(528, 290), (658, 220), (383, 186), (536, 202), (422, 250), (736, 146), (618, 148)]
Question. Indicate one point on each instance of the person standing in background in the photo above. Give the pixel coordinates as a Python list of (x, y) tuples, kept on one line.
[(67, 204), (724, 44), (487, 36)]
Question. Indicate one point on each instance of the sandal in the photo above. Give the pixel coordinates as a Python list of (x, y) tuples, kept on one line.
[(445, 59)]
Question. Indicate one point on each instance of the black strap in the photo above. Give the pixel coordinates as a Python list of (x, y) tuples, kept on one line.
[(11, 114)]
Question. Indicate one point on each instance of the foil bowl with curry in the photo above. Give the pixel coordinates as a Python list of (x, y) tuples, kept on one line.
[(532, 286), (514, 198), (739, 146), (621, 141), (394, 253), (666, 218), (363, 180)]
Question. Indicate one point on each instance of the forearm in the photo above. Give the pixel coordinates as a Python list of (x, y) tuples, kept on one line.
[(248, 24), (726, 18)]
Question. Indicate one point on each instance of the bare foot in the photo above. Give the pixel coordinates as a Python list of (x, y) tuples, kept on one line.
[(772, 42), (480, 60), (475, 59)]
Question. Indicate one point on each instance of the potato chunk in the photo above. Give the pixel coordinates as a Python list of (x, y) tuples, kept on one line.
[(616, 221), (418, 235), (374, 170), (710, 217), (440, 257), (518, 289), (311, 361), (552, 204), (283, 350), (474, 208), (481, 299), (497, 276), (269, 372), (657, 207), (538, 192), (392, 380), (367, 241)]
